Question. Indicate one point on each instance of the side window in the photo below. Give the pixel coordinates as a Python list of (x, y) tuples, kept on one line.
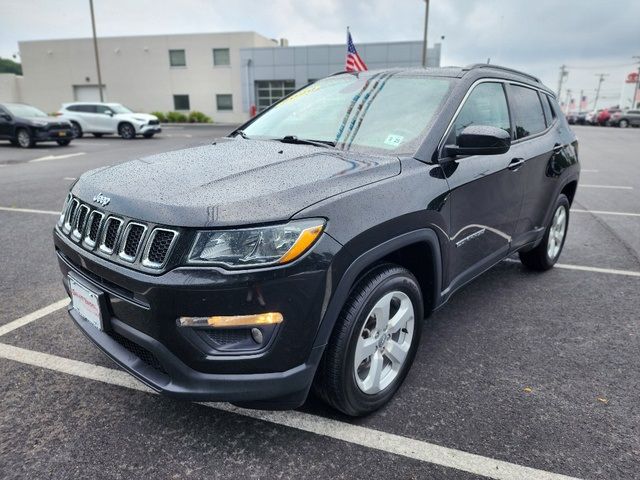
[(102, 109), (486, 105), (527, 111), (85, 108), (547, 109)]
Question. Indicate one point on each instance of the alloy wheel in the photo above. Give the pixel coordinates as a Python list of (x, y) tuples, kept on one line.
[(384, 342), (557, 232), (24, 139)]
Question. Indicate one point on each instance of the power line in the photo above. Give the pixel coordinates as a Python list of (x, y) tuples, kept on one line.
[(599, 67)]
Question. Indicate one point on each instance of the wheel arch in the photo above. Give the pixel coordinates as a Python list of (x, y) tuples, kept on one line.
[(570, 190), (418, 251)]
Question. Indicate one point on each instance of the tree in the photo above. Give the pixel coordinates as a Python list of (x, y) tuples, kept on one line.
[(9, 66)]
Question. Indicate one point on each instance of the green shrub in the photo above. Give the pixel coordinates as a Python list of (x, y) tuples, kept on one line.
[(199, 117), (161, 116), (176, 117)]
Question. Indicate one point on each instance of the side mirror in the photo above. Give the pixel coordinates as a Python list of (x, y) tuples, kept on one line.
[(109, 112), (5, 116), (480, 140)]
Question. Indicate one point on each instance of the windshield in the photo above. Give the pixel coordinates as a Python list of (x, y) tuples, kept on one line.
[(117, 108), (21, 110), (384, 112)]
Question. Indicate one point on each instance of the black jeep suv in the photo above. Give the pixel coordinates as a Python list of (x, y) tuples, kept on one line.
[(305, 249)]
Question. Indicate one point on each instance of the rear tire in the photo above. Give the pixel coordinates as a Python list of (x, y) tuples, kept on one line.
[(385, 343), (126, 131), (24, 138), (63, 143), (546, 254), (77, 130), (623, 123)]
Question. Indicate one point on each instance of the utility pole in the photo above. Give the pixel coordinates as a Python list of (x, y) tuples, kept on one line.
[(426, 24), (635, 103), (95, 49), (563, 74), (580, 101), (600, 80)]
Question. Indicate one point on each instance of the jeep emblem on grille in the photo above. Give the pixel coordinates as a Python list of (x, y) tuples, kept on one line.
[(101, 199)]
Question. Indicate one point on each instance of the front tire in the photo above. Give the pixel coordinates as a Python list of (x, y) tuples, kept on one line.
[(77, 130), (126, 131), (623, 123), (373, 343), (148, 135), (546, 254), (25, 139)]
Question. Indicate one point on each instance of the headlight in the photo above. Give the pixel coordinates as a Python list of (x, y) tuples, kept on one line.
[(40, 123), (142, 120), (254, 247)]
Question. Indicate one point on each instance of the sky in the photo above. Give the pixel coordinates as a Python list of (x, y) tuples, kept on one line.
[(588, 36)]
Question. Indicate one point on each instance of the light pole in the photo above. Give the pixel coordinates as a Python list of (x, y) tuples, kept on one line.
[(426, 24), (95, 49)]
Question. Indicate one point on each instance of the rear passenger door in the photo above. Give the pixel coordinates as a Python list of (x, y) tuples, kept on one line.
[(486, 190), (539, 136)]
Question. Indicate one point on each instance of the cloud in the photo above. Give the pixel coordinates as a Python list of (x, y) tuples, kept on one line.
[(536, 36)]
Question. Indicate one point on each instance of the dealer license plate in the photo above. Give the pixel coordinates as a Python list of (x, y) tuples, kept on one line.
[(86, 303)]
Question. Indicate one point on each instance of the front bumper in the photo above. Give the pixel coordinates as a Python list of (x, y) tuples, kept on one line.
[(140, 311), (53, 135), (148, 129)]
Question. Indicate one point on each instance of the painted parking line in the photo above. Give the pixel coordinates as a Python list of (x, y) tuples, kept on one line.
[(588, 170), (354, 434), (29, 210), (611, 271), (33, 316), (603, 212), (56, 157), (619, 187)]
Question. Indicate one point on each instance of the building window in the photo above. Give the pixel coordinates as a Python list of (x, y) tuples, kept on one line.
[(181, 102), (221, 56), (224, 102), (270, 91), (177, 58)]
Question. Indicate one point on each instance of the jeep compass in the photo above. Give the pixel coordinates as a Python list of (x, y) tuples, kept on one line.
[(303, 251)]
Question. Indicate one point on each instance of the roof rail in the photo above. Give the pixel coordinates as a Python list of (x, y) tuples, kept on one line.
[(504, 69)]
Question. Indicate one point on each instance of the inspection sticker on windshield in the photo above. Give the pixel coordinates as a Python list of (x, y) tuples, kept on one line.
[(394, 140)]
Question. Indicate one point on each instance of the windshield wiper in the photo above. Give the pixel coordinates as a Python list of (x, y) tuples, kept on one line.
[(306, 141), (240, 133)]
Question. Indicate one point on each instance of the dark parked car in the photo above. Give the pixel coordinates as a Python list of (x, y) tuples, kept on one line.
[(630, 118), (24, 126), (307, 248)]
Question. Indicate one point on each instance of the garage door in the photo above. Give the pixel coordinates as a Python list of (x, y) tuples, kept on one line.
[(88, 93)]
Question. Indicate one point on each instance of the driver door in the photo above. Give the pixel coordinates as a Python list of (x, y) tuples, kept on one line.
[(104, 119), (486, 190)]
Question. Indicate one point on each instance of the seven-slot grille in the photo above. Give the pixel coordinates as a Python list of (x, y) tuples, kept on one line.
[(115, 237)]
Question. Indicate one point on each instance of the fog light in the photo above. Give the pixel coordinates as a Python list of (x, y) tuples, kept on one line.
[(269, 318), (256, 334)]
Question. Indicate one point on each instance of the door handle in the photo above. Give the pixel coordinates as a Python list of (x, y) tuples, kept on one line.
[(516, 163)]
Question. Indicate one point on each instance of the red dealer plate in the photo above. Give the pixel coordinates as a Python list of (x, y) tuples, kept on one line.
[(85, 302)]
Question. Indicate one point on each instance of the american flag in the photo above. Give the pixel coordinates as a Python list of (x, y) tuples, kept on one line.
[(583, 102), (354, 62)]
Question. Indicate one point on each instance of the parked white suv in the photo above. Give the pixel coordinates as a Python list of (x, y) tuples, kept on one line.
[(108, 118)]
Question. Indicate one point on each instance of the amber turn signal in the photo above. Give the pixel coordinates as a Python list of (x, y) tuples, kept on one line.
[(222, 321)]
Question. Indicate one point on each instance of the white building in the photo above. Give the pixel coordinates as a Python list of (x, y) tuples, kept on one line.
[(220, 74)]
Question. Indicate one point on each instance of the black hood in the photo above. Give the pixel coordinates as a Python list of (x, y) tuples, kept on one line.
[(51, 121), (232, 182)]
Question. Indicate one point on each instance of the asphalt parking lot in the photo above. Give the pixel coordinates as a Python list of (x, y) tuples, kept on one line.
[(521, 375)]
